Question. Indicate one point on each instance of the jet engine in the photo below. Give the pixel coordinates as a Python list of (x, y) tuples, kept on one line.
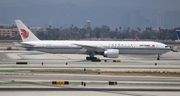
[(111, 53)]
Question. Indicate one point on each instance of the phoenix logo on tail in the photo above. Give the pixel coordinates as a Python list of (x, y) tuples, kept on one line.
[(24, 33)]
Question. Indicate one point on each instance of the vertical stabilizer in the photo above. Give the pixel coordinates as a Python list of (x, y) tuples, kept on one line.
[(25, 33), (137, 39), (178, 34)]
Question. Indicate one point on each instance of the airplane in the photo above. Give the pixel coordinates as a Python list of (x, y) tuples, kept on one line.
[(109, 49), (178, 35), (175, 48)]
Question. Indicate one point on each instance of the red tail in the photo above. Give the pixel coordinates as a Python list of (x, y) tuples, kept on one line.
[(137, 39)]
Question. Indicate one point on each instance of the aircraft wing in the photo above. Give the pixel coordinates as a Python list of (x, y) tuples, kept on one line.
[(20, 44), (91, 48)]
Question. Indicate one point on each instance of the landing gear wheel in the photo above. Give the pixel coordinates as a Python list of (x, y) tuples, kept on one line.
[(95, 59), (88, 58), (158, 58), (91, 58)]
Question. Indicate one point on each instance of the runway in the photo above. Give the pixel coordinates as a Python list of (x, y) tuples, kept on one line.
[(87, 89), (82, 77), (86, 92), (22, 78)]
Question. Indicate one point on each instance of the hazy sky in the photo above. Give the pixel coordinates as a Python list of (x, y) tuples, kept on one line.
[(131, 13), (157, 4)]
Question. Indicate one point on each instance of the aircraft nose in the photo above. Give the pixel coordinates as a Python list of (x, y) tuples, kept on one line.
[(167, 47)]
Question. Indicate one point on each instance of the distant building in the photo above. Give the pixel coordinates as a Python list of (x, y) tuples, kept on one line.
[(171, 19), (11, 32), (88, 23), (126, 19), (160, 19), (88, 29)]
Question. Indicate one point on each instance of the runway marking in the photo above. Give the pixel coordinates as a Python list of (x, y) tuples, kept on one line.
[(21, 56), (65, 57)]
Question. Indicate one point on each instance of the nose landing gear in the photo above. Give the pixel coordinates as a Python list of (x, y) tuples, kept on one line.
[(158, 58)]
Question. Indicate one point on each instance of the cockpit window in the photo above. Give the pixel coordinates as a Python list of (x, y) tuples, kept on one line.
[(166, 46)]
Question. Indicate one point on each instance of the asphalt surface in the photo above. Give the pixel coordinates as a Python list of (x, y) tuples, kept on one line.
[(130, 86), (88, 77)]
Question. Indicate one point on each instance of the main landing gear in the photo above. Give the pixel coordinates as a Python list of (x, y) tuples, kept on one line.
[(92, 58)]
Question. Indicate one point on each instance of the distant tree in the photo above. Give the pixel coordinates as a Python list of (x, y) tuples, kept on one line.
[(105, 29), (75, 29), (82, 33), (113, 35), (134, 33), (116, 29), (97, 32), (138, 29), (120, 28), (127, 33), (50, 26), (72, 25), (40, 35)]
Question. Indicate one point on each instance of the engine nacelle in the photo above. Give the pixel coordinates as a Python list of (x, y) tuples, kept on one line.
[(111, 53)]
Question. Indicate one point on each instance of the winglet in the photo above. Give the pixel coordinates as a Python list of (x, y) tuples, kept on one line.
[(25, 33)]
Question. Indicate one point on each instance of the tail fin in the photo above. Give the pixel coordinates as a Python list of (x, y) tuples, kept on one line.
[(178, 34), (137, 39), (25, 33)]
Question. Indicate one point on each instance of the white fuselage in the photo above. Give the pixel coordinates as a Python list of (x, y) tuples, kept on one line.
[(124, 47)]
